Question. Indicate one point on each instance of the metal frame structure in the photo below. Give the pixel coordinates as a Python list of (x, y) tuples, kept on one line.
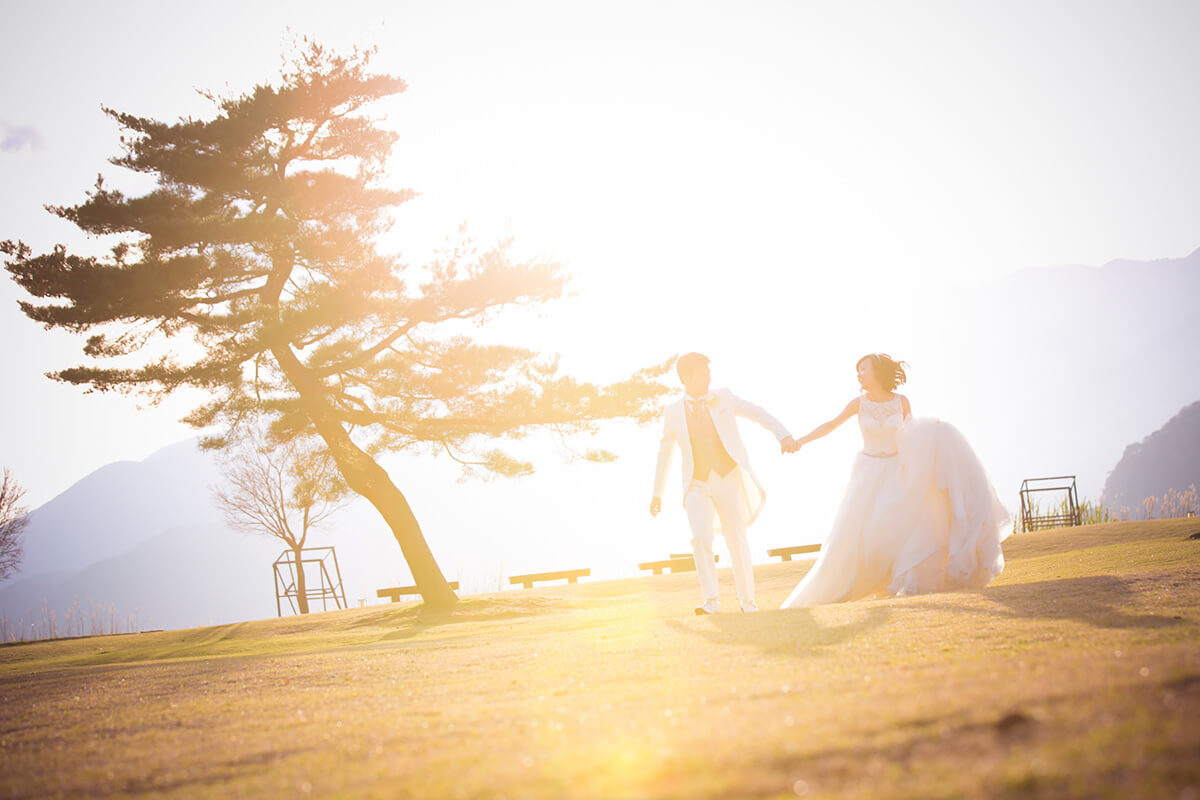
[(285, 584), (1033, 519)]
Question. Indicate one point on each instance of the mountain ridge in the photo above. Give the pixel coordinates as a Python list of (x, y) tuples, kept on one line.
[(1166, 459)]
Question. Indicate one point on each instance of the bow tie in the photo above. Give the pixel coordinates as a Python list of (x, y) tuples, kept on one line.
[(703, 401)]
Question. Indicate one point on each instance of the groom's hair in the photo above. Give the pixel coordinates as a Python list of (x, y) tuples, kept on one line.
[(689, 363)]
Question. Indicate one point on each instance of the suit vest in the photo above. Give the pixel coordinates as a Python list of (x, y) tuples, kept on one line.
[(708, 453)]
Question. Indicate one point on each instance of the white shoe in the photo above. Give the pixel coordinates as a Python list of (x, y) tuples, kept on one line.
[(708, 607), (749, 607)]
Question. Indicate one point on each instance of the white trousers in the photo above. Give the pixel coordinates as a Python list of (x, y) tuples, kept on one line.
[(722, 496)]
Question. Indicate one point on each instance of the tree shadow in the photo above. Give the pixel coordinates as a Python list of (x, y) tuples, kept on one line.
[(410, 621), (793, 632)]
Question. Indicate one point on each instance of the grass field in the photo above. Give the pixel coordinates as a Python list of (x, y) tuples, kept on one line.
[(1076, 674)]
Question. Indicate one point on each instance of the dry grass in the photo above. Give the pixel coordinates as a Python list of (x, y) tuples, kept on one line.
[(1077, 673)]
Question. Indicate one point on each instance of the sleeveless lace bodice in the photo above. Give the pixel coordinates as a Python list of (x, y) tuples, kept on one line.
[(880, 423)]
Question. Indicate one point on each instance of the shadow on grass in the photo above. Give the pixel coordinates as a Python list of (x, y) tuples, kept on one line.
[(1101, 600), (413, 620), (1104, 601), (794, 632), (220, 773)]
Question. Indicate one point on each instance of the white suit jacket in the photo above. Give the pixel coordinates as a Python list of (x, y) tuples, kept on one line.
[(725, 408)]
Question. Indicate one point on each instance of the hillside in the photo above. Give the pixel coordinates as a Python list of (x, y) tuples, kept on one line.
[(183, 577), (1167, 459), (1076, 674), (118, 506), (1058, 369), (142, 543)]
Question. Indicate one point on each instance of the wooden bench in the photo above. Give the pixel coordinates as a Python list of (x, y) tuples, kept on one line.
[(786, 553), (572, 576), (676, 563), (396, 592)]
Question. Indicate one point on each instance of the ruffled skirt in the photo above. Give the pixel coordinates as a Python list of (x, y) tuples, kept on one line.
[(925, 520)]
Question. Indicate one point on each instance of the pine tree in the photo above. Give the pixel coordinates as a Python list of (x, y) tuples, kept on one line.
[(252, 271)]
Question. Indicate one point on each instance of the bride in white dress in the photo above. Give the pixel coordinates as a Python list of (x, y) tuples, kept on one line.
[(919, 514)]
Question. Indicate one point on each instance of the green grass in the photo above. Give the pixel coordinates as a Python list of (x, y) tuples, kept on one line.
[(1076, 673)]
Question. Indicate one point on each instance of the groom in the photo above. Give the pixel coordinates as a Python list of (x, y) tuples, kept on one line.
[(717, 478)]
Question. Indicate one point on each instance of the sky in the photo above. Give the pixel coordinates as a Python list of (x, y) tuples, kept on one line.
[(748, 179)]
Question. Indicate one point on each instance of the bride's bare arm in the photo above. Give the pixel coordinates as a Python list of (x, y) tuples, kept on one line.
[(906, 406), (829, 427)]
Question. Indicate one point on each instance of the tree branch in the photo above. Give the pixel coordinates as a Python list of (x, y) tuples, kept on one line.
[(368, 354)]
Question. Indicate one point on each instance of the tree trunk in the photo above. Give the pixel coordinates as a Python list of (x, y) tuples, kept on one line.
[(301, 586), (365, 477), (371, 481)]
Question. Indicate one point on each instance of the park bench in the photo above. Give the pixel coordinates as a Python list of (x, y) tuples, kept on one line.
[(786, 553), (572, 576), (396, 592), (678, 562)]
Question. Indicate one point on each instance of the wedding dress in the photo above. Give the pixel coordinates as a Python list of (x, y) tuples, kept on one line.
[(919, 515)]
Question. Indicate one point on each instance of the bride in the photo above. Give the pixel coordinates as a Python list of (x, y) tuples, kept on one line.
[(919, 514)]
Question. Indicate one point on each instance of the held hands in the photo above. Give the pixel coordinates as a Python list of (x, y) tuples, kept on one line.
[(786, 445)]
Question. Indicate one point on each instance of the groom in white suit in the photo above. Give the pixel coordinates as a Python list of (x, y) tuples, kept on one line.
[(717, 479)]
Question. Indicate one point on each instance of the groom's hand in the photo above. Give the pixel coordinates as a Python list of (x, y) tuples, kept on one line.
[(788, 445), (655, 506)]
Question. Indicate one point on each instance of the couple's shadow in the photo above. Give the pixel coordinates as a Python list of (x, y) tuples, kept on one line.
[(792, 632), (1098, 601)]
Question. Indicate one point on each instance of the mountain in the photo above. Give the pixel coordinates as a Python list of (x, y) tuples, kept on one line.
[(1057, 369), (143, 541), (119, 506), (1167, 459), (180, 578)]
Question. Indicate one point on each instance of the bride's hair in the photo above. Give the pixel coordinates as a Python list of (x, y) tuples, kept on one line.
[(888, 371)]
